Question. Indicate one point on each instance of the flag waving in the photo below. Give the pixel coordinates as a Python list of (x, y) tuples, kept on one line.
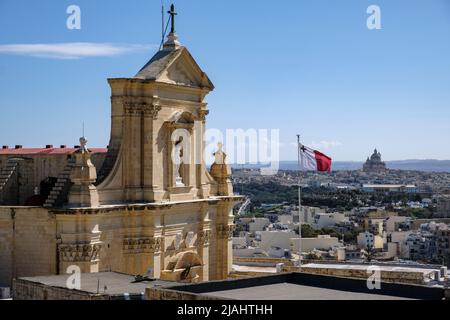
[(313, 160)]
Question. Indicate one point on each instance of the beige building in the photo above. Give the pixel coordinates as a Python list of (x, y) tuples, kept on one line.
[(28, 175), (278, 239), (367, 240), (149, 206), (443, 206), (321, 242)]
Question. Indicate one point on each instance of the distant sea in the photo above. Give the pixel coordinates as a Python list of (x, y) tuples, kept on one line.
[(415, 165)]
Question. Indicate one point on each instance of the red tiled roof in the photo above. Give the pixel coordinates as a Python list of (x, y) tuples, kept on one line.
[(33, 151)]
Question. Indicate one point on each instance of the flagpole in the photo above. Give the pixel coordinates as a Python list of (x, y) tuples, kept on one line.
[(299, 203)]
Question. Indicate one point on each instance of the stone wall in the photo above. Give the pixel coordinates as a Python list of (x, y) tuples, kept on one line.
[(167, 294), (32, 170), (26, 290), (6, 247), (20, 185), (130, 239), (27, 235), (260, 261), (386, 276)]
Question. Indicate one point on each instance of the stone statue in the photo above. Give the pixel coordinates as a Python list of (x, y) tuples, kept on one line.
[(221, 172), (179, 163), (219, 155), (83, 143)]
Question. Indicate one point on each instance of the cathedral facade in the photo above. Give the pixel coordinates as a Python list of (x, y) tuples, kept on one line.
[(145, 206)]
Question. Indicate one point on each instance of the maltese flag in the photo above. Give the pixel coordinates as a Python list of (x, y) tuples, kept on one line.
[(313, 160)]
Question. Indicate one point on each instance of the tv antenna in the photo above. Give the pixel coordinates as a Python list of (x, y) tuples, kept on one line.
[(162, 20), (164, 25)]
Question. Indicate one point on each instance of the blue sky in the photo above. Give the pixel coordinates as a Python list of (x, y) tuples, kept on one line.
[(309, 66)]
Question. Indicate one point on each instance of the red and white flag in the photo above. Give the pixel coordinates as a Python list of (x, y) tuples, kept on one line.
[(313, 160)]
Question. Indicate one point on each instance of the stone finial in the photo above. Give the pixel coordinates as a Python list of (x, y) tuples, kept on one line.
[(83, 143), (220, 156), (172, 42), (221, 172), (83, 193)]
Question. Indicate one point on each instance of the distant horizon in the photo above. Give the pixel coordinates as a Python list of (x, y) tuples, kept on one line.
[(362, 161), (428, 165), (43, 146)]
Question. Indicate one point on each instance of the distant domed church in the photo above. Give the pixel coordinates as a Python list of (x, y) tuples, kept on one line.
[(374, 163)]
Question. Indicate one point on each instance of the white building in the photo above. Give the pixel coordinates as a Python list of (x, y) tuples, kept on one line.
[(322, 242), (375, 226), (249, 252), (277, 252), (286, 219), (327, 220), (392, 222), (258, 224), (396, 244), (398, 236), (239, 242), (389, 188), (369, 240), (280, 239), (307, 214), (443, 206)]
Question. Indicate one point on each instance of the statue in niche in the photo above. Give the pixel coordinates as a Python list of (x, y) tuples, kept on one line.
[(179, 182)]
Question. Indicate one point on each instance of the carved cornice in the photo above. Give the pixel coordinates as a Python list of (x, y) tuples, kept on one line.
[(225, 230), (142, 245), (79, 252), (204, 237)]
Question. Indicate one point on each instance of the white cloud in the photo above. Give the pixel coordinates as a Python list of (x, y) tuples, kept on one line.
[(71, 50)]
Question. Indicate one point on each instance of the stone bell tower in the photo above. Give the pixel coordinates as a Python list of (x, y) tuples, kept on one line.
[(152, 208), (157, 125)]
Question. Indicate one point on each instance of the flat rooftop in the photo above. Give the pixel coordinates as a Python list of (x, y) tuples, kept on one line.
[(292, 291), (117, 284), (303, 286)]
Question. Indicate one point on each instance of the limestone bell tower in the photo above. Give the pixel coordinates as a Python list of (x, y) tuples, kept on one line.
[(157, 115), (152, 208)]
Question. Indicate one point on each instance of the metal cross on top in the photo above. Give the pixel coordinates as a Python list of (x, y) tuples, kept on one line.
[(172, 17)]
